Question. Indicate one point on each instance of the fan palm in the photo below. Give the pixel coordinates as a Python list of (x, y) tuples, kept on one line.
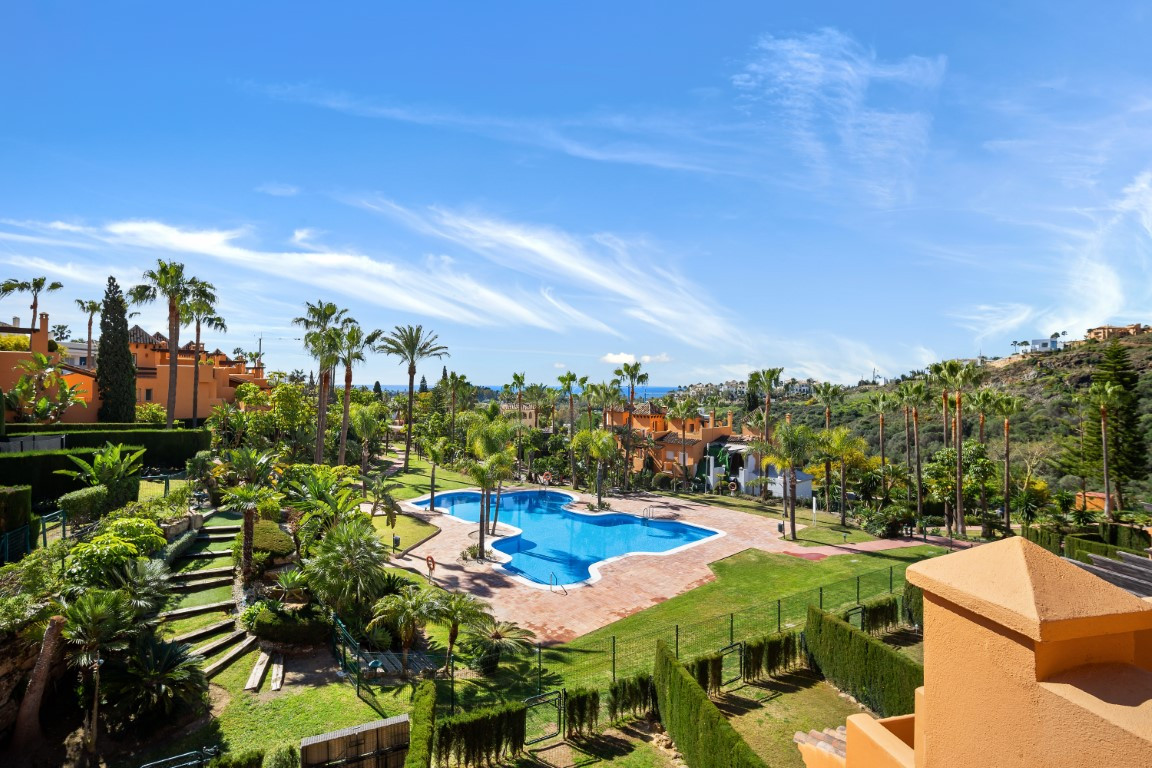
[(456, 610), (411, 344), (320, 321), (90, 307), (1106, 396), (632, 375), (99, 622), (828, 395), (35, 287), (348, 568), (146, 582), (492, 639), (409, 611), (157, 679), (351, 344), (168, 281), (199, 308)]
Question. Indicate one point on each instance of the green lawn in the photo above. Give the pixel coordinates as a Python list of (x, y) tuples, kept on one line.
[(411, 530), (150, 489), (203, 597), (224, 517), (191, 623), (817, 535), (417, 480), (767, 714)]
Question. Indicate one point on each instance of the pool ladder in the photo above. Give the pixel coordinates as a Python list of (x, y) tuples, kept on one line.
[(553, 582)]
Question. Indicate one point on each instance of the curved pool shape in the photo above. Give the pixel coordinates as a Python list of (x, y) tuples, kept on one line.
[(558, 545)]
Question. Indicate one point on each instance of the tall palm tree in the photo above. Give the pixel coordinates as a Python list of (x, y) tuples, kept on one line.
[(351, 344), (456, 610), (319, 322), (458, 389), (1007, 406), (568, 381), (880, 403), (828, 394), (630, 373), (942, 374), (518, 388), (600, 444), (437, 452), (1106, 396), (245, 499), (959, 377), (841, 444), (199, 309), (35, 286), (169, 281), (683, 410), (367, 422), (765, 380), (411, 344), (99, 622), (983, 401), (485, 475), (914, 394), (408, 610), (90, 307), (791, 447)]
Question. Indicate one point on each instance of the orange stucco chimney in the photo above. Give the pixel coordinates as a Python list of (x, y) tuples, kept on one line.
[(38, 339)]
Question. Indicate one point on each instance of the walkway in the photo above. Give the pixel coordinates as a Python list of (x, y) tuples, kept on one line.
[(628, 585)]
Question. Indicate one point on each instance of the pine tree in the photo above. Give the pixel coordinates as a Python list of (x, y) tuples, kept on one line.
[(1126, 455), (378, 391), (423, 385), (115, 370)]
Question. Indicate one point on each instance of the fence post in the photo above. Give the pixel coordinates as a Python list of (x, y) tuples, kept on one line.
[(539, 671), (821, 598), (731, 628), (779, 626), (677, 641), (452, 672), (891, 570), (166, 480), (857, 590), (613, 658)]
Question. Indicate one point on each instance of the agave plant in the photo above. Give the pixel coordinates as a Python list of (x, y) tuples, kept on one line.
[(292, 584)]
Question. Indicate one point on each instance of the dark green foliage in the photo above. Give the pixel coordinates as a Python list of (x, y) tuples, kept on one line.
[(880, 614), (581, 711), (878, 676), (38, 468), (15, 507), (707, 671), (163, 448), (1080, 546), (307, 626), (39, 429), (912, 604), (268, 537), (631, 696), (156, 680), (482, 736), (1049, 538), (422, 726), (249, 758), (765, 656), (701, 732), (1125, 536), (85, 505), (177, 547), (1127, 459), (284, 756), (116, 372)]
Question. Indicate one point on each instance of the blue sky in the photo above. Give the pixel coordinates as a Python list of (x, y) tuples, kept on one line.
[(831, 187)]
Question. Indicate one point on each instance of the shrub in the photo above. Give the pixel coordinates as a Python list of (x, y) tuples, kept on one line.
[(163, 447), (1048, 538), (482, 736), (1125, 536), (116, 467), (249, 758), (267, 537), (284, 756), (13, 342), (143, 534), (38, 470), (269, 509), (878, 676), (85, 505), (631, 696), (151, 413), (912, 604), (307, 626), (771, 654), (102, 426), (15, 507), (177, 547), (701, 732), (93, 561), (581, 711), (880, 614), (422, 727), (1078, 547)]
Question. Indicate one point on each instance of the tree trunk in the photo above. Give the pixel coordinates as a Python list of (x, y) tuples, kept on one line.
[(88, 360), (767, 437), (599, 483), (196, 378), (1108, 512), (944, 411), (485, 500), (344, 419), (684, 453), (628, 441), (321, 416), (843, 494), (919, 478), (519, 434), (34, 306), (246, 551), (959, 433), (173, 357), (792, 505), (985, 531), (432, 497), (572, 436), (452, 427), (1007, 480), (828, 471), (408, 420), (26, 734), (883, 462), (908, 453), (496, 517)]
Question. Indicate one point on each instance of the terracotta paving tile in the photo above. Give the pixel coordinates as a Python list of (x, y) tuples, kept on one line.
[(626, 586)]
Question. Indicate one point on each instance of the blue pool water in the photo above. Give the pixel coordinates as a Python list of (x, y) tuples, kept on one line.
[(562, 542)]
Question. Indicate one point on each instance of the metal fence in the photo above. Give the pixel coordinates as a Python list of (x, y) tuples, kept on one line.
[(15, 544)]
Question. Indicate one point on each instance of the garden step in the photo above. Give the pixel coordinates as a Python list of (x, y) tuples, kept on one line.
[(208, 553), (203, 632), (258, 671), (202, 574), (208, 649), (278, 672), (216, 537), (220, 529), (196, 610), (202, 584), (236, 652)]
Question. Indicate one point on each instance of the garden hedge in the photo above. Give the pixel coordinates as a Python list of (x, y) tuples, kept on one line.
[(249, 758), (1080, 546), (770, 654), (482, 736), (422, 726), (162, 448), (581, 711), (631, 696), (1127, 536), (15, 507), (37, 429), (38, 469), (877, 675), (880, 614), (912, 605), (85, 505), (177, 547), (701, 732), (268, 537), (1046, 537), (306, 626)]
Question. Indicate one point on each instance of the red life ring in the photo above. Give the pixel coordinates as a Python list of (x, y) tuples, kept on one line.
[(431, 562), (547, 477)]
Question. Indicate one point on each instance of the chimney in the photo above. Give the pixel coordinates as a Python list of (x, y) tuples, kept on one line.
[(711, 418), (729, 419), (44, 323)]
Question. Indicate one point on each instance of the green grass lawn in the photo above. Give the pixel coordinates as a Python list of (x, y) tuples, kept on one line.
[(819, 534), (203, 597), (417, 480), (224, 517), (411, 530), (150, 489), (767, 714), (190, 623)]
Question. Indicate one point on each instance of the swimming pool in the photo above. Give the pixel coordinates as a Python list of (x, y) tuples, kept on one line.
[(562, 546)]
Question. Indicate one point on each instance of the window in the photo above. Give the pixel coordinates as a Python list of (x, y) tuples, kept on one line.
[(83, 362), (134, 360), (148, 395), (670, 454)]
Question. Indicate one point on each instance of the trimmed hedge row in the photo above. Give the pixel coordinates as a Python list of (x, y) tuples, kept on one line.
[(771, 654), (482, 736), (15, 507), (912, 605), (38, 469), (1046, 537), (631, 696), (307, 626), (878, 676), (86, 505), (701, 732), (422, 726), (1125, 536), (707, 671), (1079, 547), (581, 711), (880, 614), (163, 448), (177, 547), (119, 426)]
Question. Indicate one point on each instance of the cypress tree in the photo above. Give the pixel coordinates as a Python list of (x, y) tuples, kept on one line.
[(423, 385), (378, 391), (1126, 455), (115, 371)]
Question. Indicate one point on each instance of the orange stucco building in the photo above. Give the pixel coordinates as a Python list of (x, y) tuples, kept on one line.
[(219, 375), (650, 420), (1028, 661)]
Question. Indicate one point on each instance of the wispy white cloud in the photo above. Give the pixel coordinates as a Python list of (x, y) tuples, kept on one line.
[(277, 189), (618, 358), (560, 366)]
